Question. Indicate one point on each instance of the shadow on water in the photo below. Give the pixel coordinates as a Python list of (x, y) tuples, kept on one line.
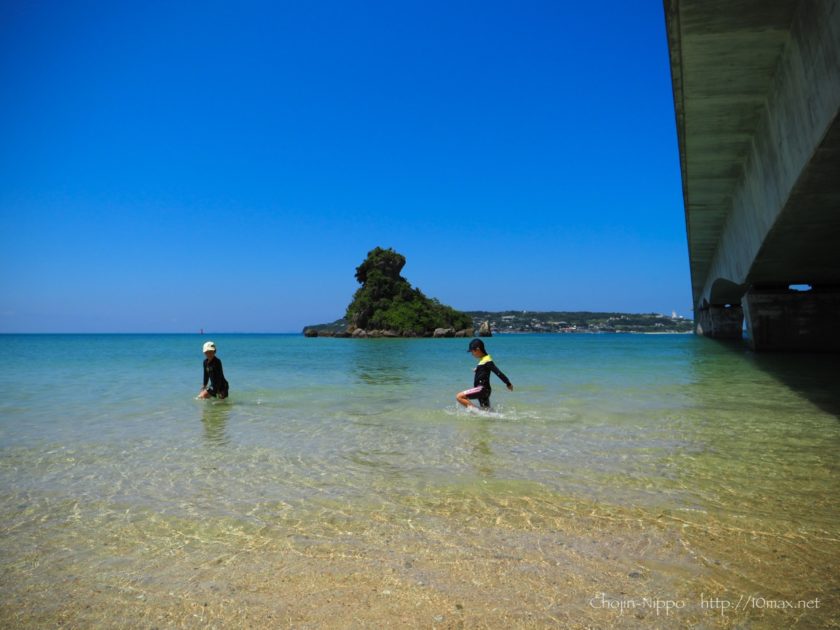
[(214, 417), (481, 452), (380, 361), (814, 376)]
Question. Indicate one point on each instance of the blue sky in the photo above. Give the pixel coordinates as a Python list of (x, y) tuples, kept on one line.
[(227, 165)]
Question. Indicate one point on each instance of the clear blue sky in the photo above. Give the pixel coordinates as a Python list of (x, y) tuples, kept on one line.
[(170, 166)]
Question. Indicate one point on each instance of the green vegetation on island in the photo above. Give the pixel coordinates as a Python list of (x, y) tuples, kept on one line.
[(387, 305)]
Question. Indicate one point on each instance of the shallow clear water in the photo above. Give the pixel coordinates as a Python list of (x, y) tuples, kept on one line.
[(334, 445)]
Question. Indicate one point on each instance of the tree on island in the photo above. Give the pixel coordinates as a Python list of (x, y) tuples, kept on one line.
[(386, 300)]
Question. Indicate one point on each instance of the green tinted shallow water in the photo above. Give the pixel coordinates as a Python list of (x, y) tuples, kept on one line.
[(692, 464)]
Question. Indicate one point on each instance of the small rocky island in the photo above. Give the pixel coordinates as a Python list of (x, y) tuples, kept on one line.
[(386, 305)]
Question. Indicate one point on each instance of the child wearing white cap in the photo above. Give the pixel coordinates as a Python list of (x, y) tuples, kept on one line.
[(213, 374)]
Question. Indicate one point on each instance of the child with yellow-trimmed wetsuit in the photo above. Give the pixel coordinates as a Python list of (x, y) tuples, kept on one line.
[(481, 390)]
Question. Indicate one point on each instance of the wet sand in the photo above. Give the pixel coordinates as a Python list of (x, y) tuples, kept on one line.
[(491, 560)]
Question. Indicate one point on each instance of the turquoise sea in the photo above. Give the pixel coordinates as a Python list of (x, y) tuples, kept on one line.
[(628, 481)]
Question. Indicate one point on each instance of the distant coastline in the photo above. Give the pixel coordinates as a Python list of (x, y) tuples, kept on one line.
[(581, 322), (386, 305), (546, 322)]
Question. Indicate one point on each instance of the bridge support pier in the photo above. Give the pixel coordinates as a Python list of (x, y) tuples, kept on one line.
[(782, 319), (719, 322)]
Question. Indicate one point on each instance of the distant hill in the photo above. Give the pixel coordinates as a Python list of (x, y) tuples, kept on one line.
[(336, 328), (579, 322)]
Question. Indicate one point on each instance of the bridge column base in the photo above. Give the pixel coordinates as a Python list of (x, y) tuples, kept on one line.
[(793, 320), (719, 322)]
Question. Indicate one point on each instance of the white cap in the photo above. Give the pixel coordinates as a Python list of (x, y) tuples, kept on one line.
[(209, 346)]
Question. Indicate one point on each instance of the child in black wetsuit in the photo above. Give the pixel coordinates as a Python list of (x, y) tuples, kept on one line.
[(481, 384), (213, 374)]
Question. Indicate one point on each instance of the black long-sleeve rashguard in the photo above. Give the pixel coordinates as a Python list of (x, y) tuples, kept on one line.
[(215, 376), (481, 383), (482, 373)]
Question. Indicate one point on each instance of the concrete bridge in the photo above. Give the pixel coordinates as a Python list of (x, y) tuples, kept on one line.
[(757, 92)]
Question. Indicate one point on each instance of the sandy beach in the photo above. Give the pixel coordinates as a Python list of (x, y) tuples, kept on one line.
[(529, 560)]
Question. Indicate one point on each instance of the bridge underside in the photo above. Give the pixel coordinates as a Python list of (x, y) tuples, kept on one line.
[(757, 94)]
